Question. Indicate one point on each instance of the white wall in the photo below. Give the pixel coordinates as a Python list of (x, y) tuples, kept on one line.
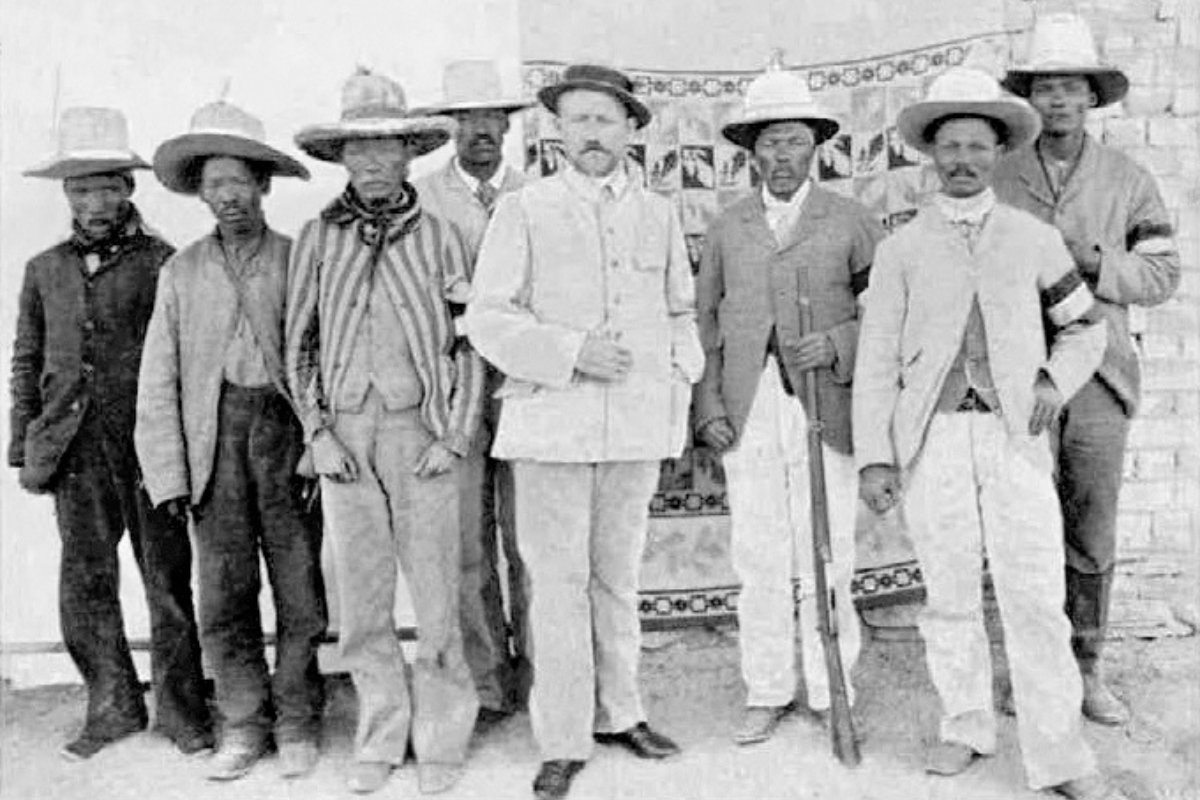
[(159, 60)]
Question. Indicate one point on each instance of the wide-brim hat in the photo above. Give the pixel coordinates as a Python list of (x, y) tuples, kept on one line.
[(964, 91), (91, 141), (596, 78), (1062, 44), (778, 96), (373, 107), (473, 84), (219, 129)]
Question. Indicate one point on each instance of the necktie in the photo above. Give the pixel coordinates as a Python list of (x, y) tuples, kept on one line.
[(486, 194)]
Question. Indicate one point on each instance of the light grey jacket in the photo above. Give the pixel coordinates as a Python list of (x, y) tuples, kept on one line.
[(562, 258), (915, 314), (183, 361), (1112, 204)]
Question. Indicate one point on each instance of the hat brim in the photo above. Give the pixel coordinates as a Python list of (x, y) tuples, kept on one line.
[(1110, 84), (744, 133), (175, 160), (1022, 122), (425, 133), (509, 106), (550, 95), (62, 167)]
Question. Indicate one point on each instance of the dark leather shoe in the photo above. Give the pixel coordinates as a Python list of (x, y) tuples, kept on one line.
[(93, 739), (641, 741), (554, 779)]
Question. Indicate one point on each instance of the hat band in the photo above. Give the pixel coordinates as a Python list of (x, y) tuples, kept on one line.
[(95, 155), (236, 134), (374, 112)]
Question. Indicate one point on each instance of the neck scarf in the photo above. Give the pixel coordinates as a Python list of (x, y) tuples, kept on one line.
[(128, 224), (379, 224)]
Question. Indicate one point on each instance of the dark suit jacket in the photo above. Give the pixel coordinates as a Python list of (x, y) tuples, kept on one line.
[(749, 284), (79, 346)]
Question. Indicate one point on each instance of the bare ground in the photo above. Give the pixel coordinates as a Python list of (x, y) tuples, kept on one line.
[(693, 690)]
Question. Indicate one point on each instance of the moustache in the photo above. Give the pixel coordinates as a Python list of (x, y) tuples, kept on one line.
[(962, 172)]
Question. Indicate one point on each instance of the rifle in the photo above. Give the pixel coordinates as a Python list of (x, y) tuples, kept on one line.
[(841, 726)]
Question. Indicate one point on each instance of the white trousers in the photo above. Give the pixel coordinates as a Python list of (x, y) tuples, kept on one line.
[(769, 503), (973, 487), (580, 531)]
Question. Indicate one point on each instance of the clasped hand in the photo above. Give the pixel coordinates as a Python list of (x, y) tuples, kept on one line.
[(603, 359)]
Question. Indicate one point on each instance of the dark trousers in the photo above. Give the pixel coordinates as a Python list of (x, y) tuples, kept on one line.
[(1090, 442), (502, 678), (96, 499), (253, 504)]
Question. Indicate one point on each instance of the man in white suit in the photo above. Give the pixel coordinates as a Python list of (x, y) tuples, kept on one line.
[(954, 391)]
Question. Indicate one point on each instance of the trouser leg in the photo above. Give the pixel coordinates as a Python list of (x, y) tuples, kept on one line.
[(427, 539), (291, 545), (620, 512), (87, 508), (504, 503), (1091, 441), (765, 505), (942, 512), (359, 527), (554, 517), (1021, 532), (164, 555), (485, 638), (227, 558)]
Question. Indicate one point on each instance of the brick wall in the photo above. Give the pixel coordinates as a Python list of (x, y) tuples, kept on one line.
[(1157, 44)]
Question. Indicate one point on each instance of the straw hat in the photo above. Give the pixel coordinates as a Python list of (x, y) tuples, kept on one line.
[(373, 107), (91, 141), (596, 78), (219, 129), (473, 84), (778, 96), (1063, 45), (967, 91)]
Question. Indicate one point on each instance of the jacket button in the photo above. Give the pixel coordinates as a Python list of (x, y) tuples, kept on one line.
[(75, 406), (89, 325)]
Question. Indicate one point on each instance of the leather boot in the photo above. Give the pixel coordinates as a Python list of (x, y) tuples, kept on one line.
[(1087, 606)]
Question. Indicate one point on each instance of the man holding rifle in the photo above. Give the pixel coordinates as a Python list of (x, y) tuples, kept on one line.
[(954, 392), (789, 244)]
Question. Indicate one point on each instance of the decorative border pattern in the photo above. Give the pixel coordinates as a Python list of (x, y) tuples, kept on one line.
[(655, 84), (871, 588)]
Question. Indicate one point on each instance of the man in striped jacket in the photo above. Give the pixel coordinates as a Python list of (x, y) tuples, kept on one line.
[(391, 403)]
